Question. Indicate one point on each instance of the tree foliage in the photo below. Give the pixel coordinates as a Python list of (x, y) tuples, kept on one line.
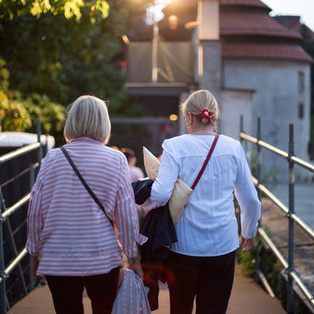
[(14, 8), (57, 56), (54, 51), (13, 115)]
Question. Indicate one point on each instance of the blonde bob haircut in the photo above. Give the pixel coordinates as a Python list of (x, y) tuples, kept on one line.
[(88, 116), (197, 102)]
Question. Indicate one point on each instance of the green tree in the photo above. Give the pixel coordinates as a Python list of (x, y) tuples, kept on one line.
[(19, 113), (4, 76), (54, 56), (65, 58), (13, 115), (72, 8)]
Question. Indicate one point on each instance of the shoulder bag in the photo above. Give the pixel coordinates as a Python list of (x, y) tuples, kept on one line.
[(182, 191)]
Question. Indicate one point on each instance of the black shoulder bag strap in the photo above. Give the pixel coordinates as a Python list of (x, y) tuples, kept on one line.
[(85, 184)]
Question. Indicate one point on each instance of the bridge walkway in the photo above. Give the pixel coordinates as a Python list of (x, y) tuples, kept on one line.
[(247, 297)]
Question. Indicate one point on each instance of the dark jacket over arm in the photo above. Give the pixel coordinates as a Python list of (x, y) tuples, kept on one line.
[(158, 226)]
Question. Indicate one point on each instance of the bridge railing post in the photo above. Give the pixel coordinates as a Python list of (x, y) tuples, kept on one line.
[(258, 272), (40, 149), (293, 279), (3, 294), (5, 226), (259, 180), (290, 293), (259, 276), (31, 183)]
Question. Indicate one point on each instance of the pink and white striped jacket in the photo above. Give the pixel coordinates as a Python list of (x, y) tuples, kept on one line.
[(66, 226)]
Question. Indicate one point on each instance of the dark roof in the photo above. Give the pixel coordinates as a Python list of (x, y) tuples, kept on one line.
[(181, 4), (247, 30), (294, 23), (291, 21), (245, 3), (254, 24), (264, 51)]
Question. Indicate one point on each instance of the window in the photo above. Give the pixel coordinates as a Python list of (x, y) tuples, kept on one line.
[(301, 110), (301, 82)]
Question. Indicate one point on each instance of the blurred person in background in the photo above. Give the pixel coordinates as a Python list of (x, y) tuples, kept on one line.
[(136, 173)]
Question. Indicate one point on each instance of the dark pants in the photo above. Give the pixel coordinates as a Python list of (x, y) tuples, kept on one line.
[(67, 292), (210, 279)]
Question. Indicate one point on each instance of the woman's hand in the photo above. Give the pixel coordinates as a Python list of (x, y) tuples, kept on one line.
[(150, 204), (247, 244), (35, 258), (137, 267)]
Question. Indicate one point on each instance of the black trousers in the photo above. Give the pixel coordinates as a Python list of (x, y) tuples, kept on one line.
[(209, 279), (67, 292)]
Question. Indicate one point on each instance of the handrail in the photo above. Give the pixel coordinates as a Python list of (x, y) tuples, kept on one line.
[(19, 151), (14, 263), (284, 263), (302, 163), (4, 272), (289, 212), (277, 151), (5, 214), (16, 206), (285, 209), (263, 144)]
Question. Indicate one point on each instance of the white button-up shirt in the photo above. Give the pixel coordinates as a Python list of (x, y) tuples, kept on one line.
[(207, 225)]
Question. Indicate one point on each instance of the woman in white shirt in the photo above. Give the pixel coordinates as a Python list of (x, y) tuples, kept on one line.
[(201, 263)]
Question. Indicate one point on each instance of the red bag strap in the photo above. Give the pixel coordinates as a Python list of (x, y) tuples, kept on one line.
[(205, 162)]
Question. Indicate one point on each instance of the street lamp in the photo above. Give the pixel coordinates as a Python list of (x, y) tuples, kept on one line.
[(155, 5)]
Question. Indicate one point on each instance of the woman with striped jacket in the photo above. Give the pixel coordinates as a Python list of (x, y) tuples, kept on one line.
[(72, 242)]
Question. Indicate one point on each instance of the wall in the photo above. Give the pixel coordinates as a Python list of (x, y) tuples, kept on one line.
[(280, 87), (235, 103)]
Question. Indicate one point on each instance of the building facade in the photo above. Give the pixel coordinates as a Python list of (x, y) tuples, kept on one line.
[(261, 72)]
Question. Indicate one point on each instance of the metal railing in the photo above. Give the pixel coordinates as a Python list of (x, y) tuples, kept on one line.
[(288, 213), (15, 262), (15, 254)]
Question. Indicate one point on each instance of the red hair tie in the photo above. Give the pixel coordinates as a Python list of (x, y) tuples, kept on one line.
[(205, 114)]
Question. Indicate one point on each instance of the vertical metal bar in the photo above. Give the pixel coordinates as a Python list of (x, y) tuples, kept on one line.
[(245, 144), (31, 276), (259, 274), (259, 159), (241, 129), (258, 175), (11, 241), (154, 46), (8, 230), (290, 296), (3, 303), (32, 176), (40, 149)]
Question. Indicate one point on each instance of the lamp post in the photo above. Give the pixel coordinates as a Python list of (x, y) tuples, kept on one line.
[(154, 46)]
